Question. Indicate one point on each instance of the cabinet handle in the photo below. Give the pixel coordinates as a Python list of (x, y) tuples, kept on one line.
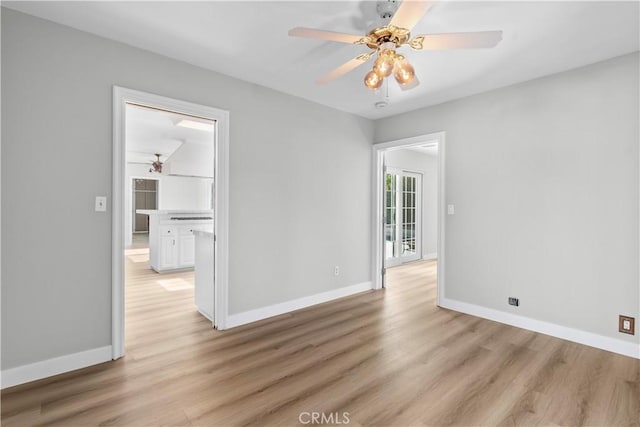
[(174, 242)]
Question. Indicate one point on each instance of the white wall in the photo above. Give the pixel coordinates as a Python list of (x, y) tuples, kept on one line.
[(183, 192), (544, 178), (289, 160), (191, 159), (427, 165)]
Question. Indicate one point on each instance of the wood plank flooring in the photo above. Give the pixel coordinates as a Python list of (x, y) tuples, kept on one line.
[(387, 358)]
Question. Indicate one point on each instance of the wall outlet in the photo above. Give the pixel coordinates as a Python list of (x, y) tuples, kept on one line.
[(451, 209), (514, 301), (336, 271), (626, 325)]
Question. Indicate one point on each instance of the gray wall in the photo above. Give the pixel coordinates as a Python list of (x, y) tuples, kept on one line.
[(427, 165), (295, 166), (544, 177)]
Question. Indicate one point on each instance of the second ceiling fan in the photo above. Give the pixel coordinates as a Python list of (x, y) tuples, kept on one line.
[(387, 39)]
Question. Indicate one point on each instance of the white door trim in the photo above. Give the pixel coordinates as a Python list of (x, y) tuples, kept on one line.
[(378, 171), (122, 96)]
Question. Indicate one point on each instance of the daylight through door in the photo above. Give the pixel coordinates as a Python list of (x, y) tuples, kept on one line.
[(402, 211)]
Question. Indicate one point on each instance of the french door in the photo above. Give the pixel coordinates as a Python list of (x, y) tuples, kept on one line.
[(402, 216)]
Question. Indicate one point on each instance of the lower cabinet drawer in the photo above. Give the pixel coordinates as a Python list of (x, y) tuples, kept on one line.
[(167, 231), (186, 230)]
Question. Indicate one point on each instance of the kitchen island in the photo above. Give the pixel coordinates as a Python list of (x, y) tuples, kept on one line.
[(172, 239)]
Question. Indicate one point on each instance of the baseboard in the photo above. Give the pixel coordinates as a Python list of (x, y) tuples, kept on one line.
[(570, 334), (57, 365), (432, 255), (250, 316)]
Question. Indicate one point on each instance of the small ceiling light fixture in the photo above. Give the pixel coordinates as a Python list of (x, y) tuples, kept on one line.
[(381, 104), (192, 124), (156, 166)]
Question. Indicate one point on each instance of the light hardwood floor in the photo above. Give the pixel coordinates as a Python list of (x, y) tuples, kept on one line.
[(388, 358)]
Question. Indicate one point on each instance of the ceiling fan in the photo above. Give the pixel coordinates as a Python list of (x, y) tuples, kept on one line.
[(387, 39), (156, 165)]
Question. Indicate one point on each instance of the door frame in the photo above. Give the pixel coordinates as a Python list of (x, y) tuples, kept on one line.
[(122, 96), (377, 256), (419, 208)]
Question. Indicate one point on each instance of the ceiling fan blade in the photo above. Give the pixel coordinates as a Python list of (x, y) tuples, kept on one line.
[(312, 33), (414, 83), (409, 13), (345, 68), (475, 40)]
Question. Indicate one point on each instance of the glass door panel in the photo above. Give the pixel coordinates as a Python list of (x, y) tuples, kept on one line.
[(408, 246), (402, 216), (390, 225)]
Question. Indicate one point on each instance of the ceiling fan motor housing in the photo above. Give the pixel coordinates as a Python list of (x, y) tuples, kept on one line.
[(386, 8), (387, 34)]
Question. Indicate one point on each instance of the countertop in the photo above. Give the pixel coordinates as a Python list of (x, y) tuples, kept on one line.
[(174, 212)]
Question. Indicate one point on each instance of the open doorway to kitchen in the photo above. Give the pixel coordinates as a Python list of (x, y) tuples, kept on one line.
[(170, 210), (408, 205), (169, 167)]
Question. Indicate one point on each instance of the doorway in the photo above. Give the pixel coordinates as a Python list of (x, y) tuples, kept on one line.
[(409, 208), (160, 165), (172, 155)]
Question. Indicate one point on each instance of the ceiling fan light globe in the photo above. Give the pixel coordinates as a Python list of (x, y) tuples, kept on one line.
[(373, 80), (384, 68), (404, 72), (384, 64)]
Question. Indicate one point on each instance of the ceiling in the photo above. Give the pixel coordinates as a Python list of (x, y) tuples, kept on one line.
[(149, 131), (429, 149), (248, 40)]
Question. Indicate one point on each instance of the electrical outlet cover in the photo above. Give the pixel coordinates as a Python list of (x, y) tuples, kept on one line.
[(626, 325)]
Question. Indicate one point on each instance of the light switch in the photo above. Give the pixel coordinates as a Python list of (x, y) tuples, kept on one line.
[(451, 209), (101, 204)]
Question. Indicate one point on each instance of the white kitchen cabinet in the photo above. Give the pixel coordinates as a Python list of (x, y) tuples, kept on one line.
[(168, 253), (186, 251), (171, 238), (177, 251)]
